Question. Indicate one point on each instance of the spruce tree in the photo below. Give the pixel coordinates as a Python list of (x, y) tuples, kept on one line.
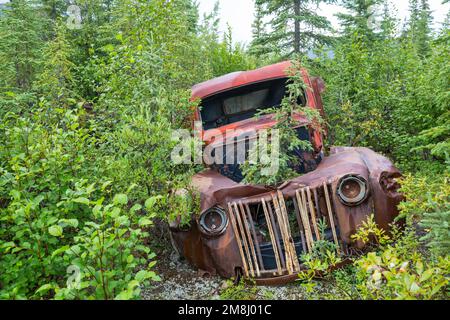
[(388, 23), (419, 27), (56, 82), (55, 8), (258, 31), (294, 26), (192, 14), (21, 35), (360, 17)]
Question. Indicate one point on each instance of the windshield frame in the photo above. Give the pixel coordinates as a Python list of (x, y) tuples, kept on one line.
[(272, 85)]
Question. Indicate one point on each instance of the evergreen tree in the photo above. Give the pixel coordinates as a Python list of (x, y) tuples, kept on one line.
[(360, 17), (191, 9), (258, 31), (419, 26), (56, 82), (388, 23), (21, 35), (55, 8), (294, 25)]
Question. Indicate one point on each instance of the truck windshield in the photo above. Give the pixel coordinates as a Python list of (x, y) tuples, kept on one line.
[(245, 102), (242, 103)]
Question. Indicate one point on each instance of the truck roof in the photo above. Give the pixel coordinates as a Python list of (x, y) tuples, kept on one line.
[(240, 78)]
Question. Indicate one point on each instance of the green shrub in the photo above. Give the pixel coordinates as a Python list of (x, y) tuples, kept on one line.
[(395, 267), (46, 214), (109, 252), (428, 202), (390, 275)]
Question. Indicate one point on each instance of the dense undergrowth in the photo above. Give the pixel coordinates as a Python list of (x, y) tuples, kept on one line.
[(85, 135), (86, 119)]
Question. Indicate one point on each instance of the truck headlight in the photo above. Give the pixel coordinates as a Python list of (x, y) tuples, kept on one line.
[(352, 190), (214, 221)]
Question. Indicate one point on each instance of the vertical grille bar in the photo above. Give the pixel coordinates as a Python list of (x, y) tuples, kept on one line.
[(305, 221), (330, 215), (313, 213), (272, 237), (252, 227), (249, 238), (244, 240), (278, 214), (289, 240), (238, 238), (276, 233), (316, 198), (300, 224), (309, 223)]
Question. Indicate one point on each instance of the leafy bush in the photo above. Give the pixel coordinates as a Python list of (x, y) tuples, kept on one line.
[(108, 251), (370, 234), (428, 202), (319, 261), (398, 269), (393, 267), (389, 275), (48, 222)]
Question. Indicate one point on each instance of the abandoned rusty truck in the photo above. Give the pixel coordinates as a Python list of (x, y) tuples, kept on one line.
[(260, 232)]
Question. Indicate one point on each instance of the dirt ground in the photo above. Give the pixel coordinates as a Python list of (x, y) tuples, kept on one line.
[(181, 281)]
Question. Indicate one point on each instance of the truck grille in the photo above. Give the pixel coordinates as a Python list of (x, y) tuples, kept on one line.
[(291, 227)]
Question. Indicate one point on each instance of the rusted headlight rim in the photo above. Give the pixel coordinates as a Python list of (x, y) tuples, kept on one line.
[(362, 196), (220, 229)]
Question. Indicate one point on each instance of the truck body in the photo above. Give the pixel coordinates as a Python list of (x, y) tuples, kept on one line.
[(260, 232)]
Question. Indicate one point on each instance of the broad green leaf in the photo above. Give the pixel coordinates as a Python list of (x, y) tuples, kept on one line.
[(133, 284), (44, 289), (426, 275), (10, 94), (70, 222), (15, 194), (125, 295), (8, 245), (150, 202), (414, 288), (120, 199), (135, 208), (60, 250), (141, 275), (82, 200), (145, 222), (55, 231)]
